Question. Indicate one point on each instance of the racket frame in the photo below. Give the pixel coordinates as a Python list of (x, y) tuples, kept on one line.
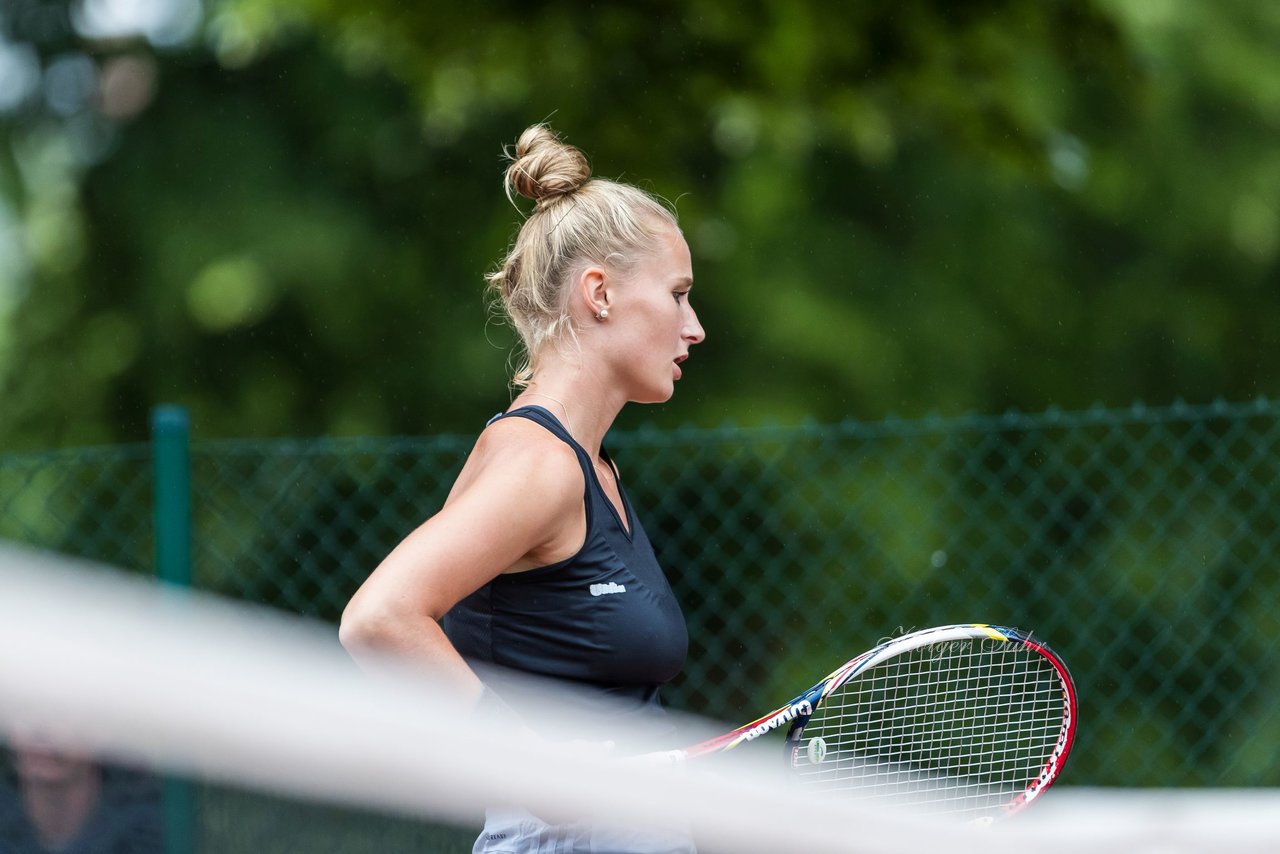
[(796, 713)]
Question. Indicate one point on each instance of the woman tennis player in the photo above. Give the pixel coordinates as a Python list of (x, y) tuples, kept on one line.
[(537, 562)]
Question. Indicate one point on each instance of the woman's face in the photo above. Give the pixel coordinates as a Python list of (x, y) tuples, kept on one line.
[(655, 323)]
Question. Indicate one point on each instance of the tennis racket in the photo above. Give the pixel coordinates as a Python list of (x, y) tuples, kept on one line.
[(972, 720)]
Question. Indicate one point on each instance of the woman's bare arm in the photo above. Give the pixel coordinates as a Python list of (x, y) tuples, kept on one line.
[(516, 504)]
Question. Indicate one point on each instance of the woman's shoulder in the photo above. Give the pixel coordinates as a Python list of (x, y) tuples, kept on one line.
[(520, 453), (515, 435)]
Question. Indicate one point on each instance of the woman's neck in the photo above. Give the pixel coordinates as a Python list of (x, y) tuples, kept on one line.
[(587, 408)]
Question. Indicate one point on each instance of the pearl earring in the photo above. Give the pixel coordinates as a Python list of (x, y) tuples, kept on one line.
[(602, 314)]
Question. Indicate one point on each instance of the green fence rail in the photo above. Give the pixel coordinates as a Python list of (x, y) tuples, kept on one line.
[(1139, 542)]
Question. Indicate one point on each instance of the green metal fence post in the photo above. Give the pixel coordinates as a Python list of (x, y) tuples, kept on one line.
[(171, 459)]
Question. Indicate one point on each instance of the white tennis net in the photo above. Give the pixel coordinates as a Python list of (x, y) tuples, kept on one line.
[(278, 730)]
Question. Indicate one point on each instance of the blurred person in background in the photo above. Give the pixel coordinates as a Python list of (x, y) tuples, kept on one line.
[(59, 799), (537, 563)]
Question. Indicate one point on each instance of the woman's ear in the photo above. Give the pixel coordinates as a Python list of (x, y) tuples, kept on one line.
[(593, 288)]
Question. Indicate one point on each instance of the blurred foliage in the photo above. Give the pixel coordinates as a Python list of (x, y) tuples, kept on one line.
[(279, 213)]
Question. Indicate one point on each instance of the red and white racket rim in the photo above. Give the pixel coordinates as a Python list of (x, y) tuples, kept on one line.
[(1057, 757)]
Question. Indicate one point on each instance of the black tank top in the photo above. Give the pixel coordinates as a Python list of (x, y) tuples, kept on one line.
[(604, 618)]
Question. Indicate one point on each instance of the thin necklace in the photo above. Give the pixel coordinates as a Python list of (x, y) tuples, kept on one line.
[(568, 423)]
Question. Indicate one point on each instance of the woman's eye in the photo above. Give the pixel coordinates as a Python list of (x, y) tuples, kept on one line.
[(679, 295)]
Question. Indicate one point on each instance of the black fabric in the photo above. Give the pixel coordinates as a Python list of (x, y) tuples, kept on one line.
[(605, 618)]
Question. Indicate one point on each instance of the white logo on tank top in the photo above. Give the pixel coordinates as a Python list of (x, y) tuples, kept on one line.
[(611, 587)]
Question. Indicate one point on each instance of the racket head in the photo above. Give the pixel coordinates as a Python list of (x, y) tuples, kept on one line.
[(971, 720)]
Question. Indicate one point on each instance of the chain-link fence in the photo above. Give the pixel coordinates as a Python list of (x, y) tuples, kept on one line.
[(1139, 543)]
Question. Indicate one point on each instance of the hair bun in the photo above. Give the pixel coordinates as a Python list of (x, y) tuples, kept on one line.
[(545, 168)]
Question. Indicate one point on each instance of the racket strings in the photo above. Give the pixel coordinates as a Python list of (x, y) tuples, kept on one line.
[(959, 726)]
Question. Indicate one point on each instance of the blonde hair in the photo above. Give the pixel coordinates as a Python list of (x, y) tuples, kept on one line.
[(576, 221)]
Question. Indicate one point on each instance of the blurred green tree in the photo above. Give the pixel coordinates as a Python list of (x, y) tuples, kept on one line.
[(280, 215)]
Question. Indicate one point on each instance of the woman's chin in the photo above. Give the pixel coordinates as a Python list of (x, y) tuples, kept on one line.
[(656, 395)]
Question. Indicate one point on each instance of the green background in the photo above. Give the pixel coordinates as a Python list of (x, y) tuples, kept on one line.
[(278, 214)]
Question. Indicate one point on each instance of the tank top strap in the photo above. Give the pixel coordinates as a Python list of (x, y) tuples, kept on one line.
[(539, 415), (623, 516)]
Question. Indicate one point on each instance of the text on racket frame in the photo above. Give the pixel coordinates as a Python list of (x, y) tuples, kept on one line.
[(802, 708)]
